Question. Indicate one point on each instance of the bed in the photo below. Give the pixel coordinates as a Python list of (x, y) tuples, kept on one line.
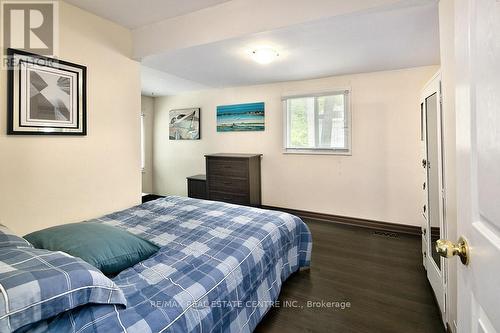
[(220, 267)]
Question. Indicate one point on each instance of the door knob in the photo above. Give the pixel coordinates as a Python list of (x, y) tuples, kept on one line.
[(448, 249)]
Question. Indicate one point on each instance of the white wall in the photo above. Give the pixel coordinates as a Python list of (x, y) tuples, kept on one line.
[(147, 108), (380, 181), (45, 180), (447, 40)]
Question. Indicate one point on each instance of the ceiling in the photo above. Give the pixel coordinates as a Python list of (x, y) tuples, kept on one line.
[(134, 13), (184, 48), (158, 83), (364, 42)]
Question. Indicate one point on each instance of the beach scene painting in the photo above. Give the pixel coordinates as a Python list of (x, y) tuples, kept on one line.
[(240, 117), (184, 124)]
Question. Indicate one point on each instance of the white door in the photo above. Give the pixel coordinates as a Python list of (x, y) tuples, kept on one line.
[(433, 207), (477, 38)]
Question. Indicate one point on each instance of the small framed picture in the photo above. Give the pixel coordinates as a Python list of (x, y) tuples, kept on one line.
[(184, 124), (46, 96)]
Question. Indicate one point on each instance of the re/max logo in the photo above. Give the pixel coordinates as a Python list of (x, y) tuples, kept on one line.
[(30, 26)]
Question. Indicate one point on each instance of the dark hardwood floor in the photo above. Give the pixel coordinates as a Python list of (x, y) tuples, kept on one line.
[(382, 278)]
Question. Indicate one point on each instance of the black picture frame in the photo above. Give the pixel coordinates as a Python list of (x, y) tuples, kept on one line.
[(14, 112)]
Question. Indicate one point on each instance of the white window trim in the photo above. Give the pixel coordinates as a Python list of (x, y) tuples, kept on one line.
[(318, 151)]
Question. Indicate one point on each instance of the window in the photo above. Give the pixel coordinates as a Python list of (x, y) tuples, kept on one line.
[(143, 144), (318, 124)]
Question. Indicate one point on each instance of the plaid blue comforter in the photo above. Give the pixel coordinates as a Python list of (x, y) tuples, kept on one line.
[(219, 269)]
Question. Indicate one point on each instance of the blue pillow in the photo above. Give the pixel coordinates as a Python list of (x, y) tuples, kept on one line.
[(39, 284), (9, 239), (108, 248)]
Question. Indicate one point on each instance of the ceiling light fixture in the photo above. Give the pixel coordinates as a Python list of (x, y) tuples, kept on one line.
[(264, 55)]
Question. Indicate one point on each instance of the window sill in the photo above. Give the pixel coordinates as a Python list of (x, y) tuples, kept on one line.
[(341, 152)]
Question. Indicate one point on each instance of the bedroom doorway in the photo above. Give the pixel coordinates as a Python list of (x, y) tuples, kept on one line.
[(433, 187)]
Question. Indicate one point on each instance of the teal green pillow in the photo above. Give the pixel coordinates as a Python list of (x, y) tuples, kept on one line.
[(109, 249)]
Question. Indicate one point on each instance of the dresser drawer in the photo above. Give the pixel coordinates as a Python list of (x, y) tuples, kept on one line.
[(242, 199), (229, 168), (228, 184)]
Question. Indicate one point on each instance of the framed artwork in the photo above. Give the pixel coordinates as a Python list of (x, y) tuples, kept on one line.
[(240, 117), (184, 124), (46, 96)]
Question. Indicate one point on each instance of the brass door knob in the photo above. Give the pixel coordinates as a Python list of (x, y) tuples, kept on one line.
[(448, 249)]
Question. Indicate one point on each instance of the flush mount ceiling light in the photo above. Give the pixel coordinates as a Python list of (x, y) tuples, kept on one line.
[(264, 55)]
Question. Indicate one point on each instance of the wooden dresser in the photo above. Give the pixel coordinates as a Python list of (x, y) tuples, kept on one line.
[(234, 178)]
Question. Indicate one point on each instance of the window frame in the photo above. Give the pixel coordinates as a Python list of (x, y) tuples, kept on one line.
[(319, 151)]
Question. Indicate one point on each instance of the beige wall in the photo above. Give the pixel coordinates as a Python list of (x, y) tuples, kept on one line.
[(380, 181), (147, 108), (447, 35), (50, 180)]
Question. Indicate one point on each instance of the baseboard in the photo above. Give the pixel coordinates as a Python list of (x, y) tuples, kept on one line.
[(352, 221)]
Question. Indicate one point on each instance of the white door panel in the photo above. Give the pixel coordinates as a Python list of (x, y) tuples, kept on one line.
[(484, 282), (477, 38), (483, 324), (487, 88)]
